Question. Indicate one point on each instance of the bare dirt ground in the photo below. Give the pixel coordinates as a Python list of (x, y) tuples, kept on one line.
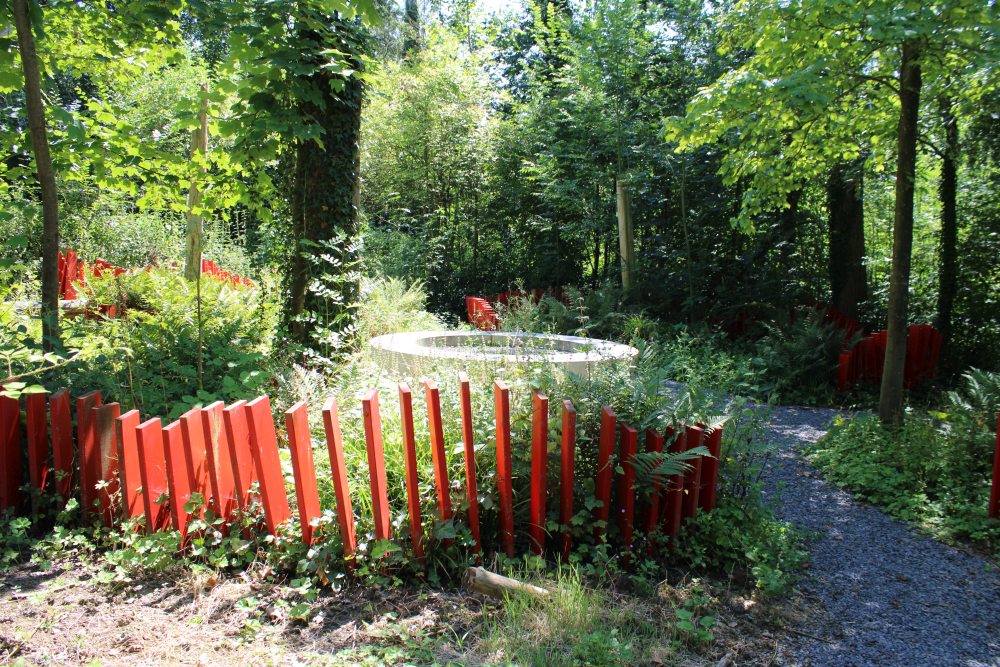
[(64, 616)]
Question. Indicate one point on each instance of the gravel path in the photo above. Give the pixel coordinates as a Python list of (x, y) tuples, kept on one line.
[(892, 596)]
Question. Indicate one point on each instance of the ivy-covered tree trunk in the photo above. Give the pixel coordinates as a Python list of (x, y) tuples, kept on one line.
[(323, 285), (845, 203), (45, 172), (948, 188), (890, 407)]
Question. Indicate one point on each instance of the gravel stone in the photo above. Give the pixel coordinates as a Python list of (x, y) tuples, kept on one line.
[(892, 595)]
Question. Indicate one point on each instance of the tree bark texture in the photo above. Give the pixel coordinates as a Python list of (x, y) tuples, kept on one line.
[(890, 406), (46, 176), (196, 222), (626, 241), (845, 203), (948, 193)]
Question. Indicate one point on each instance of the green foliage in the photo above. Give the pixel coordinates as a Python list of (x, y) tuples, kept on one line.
[(934, 471), (392, 306)]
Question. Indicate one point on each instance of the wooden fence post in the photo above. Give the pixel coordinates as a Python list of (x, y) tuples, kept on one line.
[(240, 453), (505, 482), (264, 444), (651, 514), (410, 461), (128, 463), (566, 472), (178, 476), (626, 484), (606, 449), (221, 475), (300, 445), (335, 445), (107, 457), (710, 470), (376, 465), (994, 509), (86, 448), (471, 485), (10, 453), (35, 408), (153, 473), (692, 482), (675, 493), (539, 469), (196, 459), (439, 455), (61, 423)]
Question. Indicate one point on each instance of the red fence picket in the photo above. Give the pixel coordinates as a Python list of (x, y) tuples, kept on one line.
[(539, 469), (710, 470), (86, 446), (153, 473), (651, 513), (410, 461), (36, 427), (335, 445), (196, 456), (61, 423), (626, 484), (994, 509), (10, 453), (675, 493), (107, 458), (692, 482), (439, 456), (218, 456), (566, 473), (471, 487), (300, 445), (241, 455), (264, 444), (505, 482), (376, 465), (606, 449), (130, 481), (179, 477)]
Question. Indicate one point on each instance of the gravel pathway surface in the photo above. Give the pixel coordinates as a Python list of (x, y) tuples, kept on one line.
[(892, 596)]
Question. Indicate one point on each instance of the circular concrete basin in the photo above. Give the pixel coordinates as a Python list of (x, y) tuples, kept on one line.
[(417, 351)]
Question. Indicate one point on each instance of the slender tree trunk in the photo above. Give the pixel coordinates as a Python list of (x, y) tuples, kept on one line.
[(948, 188), (890, 408), (196, 222), (626, 242), (845, 202), (46, 176), (411, 43)]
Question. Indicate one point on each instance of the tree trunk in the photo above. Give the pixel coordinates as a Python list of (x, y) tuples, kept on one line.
[(948, 188), (845, 202), (195, 222), (890, 408), (411, 43), (46, 176), (626, 243), (789, 231)]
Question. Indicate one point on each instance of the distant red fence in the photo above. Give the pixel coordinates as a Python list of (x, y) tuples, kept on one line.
[(481, 313), (73, 270), (220, 451), (994, 510), (865, 362)]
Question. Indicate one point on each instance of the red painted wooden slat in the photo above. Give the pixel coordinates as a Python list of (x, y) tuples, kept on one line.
[(338, 468), (35, 408), (219, 459), (376, 465), (471, 485), (128, 463), (566, 472), (153, 473), (505, 482), (410, 461), (539, 469), (994, 508), (626, 484), (107, 458), (86, 447), (439, 456), (178, 476), (651, 513), (675, 493), (10, 453), (61, 423), (300, 445), (692, 482), (605, 451), (196, 458), (240, 453), (710, 470), (264, 444)]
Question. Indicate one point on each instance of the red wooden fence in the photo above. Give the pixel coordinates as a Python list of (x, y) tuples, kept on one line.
[(864, 363), (219, 452), (994, 509)]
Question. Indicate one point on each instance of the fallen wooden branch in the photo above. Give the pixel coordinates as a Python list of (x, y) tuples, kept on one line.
[(498, 586)]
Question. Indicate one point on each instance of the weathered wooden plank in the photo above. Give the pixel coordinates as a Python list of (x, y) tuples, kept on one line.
[(539, 469), (86, 446), (376, 465), (219, 459), (61, 423), (196, 457), (692, 481), (179, 477), (107, 458), (505, 480), (300, 445), (468, 442), (240, 453), (605, 468), (439, 456), (567, 471), (410, 463), (264, 444), (36, 427), (10, 453), (153, 473), (338, 468), (128, 463), (626, 485), (710, 470)]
